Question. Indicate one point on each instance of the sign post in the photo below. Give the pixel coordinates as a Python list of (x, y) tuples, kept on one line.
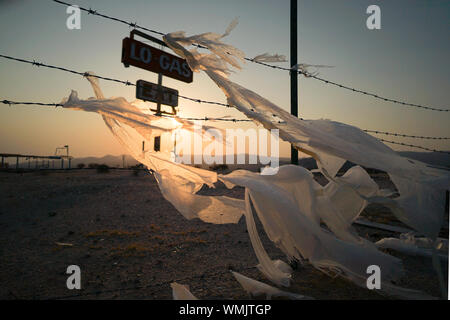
[(160, 93), (141, 55)]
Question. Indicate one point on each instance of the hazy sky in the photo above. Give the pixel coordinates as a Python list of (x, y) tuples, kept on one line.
[(407, 59)]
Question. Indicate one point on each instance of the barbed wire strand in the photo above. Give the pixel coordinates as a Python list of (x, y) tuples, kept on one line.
[(406, 135), (128, 83), (413, 146), (9, 102), (378, 96), (86, 74), (209, 119), (306, 74), (31, 103), (96, 13)]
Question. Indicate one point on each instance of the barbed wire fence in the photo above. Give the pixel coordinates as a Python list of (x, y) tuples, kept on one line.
[(406, 135), (8, 102), (306, 74), (413, 145), (196, 100), (86, 74)]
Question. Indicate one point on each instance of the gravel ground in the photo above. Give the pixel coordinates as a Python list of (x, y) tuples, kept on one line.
[(130, 243)]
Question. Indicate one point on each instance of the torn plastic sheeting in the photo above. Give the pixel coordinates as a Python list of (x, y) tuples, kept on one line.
[(303, 67), (279, 273), (178, 182), (257, 288), (155, 160), (212, 209), (329, 142), (118, 109), (420, 205), (181, 292), (266, 57), (153, 125), (319, 203), (230, 27), (284, 213), (323, 133), (344, 197), (299, 236)]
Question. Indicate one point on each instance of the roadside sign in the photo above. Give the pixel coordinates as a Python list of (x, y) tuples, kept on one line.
[(141, 55), (148, 91)]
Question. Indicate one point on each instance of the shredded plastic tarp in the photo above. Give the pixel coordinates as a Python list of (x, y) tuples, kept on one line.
[(181, 292), (304, 68), (178, 182), (290, 204), (330, 143), (230, 27)]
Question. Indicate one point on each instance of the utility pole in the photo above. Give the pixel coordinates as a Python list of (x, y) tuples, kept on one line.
[(294, 73)]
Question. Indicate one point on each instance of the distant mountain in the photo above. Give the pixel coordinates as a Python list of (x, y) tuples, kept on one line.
[(432, 158), (109, 160)]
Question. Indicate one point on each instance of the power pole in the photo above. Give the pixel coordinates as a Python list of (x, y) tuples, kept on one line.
[(294, 73)]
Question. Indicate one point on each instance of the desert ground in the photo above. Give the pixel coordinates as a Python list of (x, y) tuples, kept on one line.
[(131, 243)]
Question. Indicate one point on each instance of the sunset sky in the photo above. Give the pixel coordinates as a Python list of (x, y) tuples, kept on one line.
[(407, 60)]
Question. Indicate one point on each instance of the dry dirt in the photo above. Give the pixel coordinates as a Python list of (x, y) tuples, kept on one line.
[(130, 243)]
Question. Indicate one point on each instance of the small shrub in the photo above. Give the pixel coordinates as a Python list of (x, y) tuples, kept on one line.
[(81, 165), (102, 168)]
